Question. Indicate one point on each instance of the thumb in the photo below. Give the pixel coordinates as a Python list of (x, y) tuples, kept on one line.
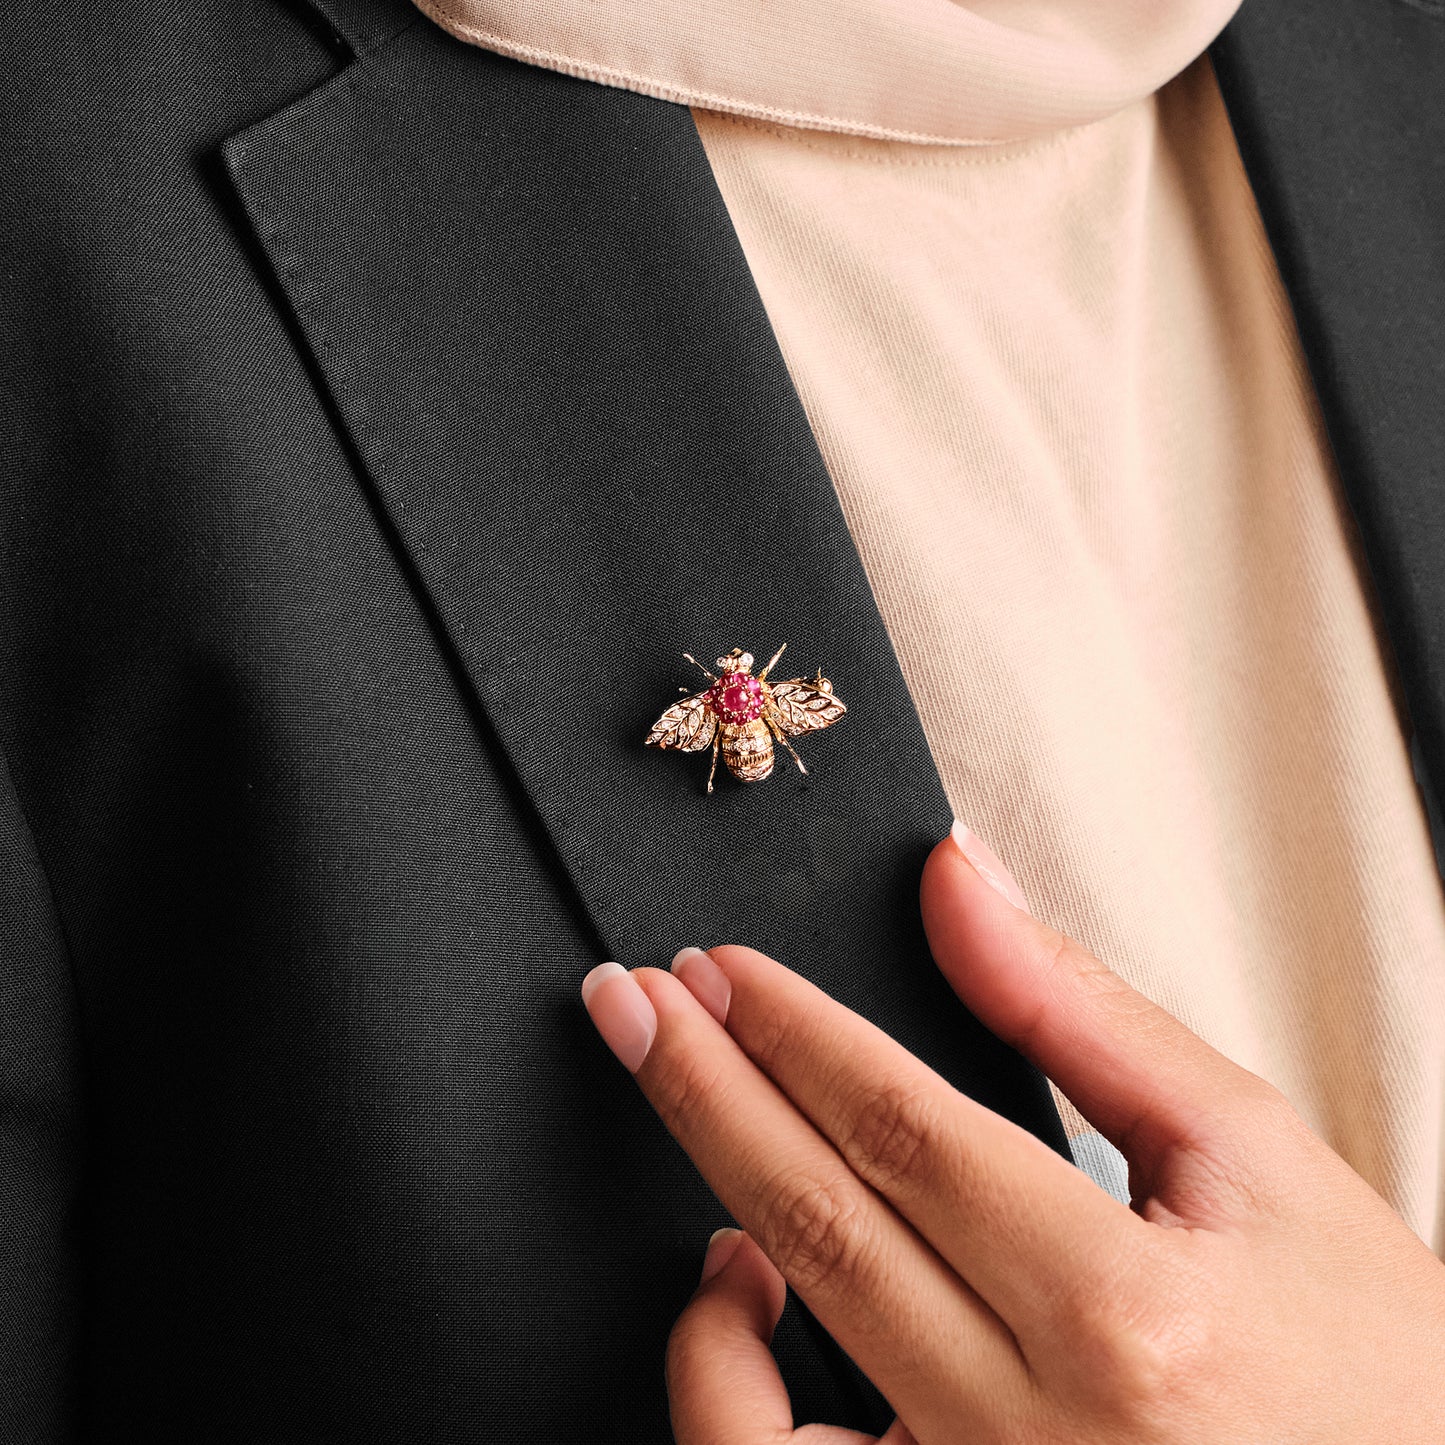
[(1144, 1080), (723, 1384)]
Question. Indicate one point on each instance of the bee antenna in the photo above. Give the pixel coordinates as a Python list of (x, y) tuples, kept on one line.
[(699, 666), (763, 674)]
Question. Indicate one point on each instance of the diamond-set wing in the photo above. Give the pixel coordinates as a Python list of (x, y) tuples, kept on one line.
[(805, 706), (688, 725)]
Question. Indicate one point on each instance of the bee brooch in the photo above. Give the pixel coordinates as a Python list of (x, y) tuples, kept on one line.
[(740, 715)]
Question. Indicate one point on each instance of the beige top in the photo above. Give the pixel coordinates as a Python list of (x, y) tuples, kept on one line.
[(1018, 276)]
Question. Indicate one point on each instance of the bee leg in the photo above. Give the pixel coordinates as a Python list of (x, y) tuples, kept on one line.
[(763, 675), (715, 742), (782, 737)]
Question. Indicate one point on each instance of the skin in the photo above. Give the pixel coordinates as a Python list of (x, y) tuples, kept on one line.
[(1256, 1291)]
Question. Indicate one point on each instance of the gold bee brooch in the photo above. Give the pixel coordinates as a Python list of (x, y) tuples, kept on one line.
[(740, 715)]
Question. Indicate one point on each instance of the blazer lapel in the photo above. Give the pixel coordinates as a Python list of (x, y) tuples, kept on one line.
[(1337, 111), (539, 333)]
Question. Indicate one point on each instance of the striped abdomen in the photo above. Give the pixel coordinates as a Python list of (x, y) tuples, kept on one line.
[(747, 749)]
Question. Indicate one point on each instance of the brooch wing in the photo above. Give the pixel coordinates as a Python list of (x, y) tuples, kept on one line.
[(688, 725), (805, 706)]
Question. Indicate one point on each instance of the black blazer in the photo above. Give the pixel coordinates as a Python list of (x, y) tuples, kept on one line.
[(382, 419)]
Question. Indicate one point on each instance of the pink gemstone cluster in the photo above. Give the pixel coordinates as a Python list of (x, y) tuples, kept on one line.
[(736, 697)]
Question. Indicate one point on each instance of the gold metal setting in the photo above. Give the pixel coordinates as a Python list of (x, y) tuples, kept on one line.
[(740, 715)]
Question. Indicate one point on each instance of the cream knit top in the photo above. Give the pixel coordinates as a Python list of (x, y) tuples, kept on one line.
[(1018, 277)]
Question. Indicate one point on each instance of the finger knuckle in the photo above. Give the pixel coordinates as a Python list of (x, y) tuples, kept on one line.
[(770, 1033), (1093, 980), (1133, 1368), (816, 1231), (1144, 1351), (891, 1140), (695, 1089), (1061, 956), (1262, 1102), (1067, 969)]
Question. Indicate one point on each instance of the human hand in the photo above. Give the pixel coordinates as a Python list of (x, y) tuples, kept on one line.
[(1257, 1290)]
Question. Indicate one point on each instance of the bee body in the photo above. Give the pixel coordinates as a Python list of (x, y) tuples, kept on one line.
[(747, 749), (740, 716)]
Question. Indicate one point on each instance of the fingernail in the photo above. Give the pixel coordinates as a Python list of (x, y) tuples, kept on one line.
[(707, 983), (987, 864), (622, 1012), (720, 1248)]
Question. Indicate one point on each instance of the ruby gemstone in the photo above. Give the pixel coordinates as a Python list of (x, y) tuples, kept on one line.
[(736, 697)]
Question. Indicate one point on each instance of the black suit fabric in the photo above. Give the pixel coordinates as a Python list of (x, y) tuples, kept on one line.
[(382, 420)]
